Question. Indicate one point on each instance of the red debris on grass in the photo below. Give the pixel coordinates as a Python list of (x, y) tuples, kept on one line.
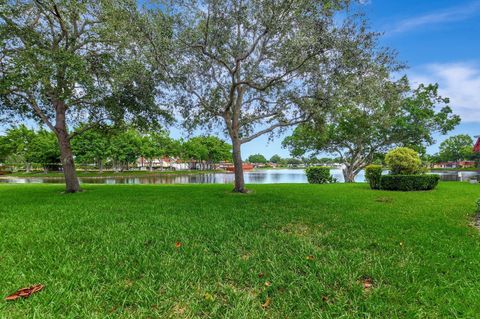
[(367, 284), (25, 292)]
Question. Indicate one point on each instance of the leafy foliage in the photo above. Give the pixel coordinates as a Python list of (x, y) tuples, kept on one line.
[(319, 175), (407, 183), (92, 145), (44, 149), (457, 148), (23, 145), (257, 158), (373, 174), (207, 148), (78, 53), (403, 161), (276, 159), (126, 147)]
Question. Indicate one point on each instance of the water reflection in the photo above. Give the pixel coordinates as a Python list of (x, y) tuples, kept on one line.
[(458, 175), (268, 176)]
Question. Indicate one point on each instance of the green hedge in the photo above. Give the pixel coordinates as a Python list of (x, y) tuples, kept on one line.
[(373, 173), (409, 182), (319, 175)]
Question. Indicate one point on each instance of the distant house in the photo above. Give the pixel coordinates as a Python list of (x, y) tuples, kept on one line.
[(162, 163), (156, 163), (175, 164), (179, 165), (459, 164)]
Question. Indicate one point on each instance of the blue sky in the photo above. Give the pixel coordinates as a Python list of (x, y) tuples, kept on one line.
[(440, 42)]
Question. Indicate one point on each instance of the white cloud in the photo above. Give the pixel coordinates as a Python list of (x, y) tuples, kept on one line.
[(458, 81), (452, 14)]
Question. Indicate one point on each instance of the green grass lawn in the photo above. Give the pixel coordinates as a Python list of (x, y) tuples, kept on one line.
[(110, 252)]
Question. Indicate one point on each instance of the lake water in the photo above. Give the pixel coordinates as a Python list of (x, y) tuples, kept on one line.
[(266, 176)]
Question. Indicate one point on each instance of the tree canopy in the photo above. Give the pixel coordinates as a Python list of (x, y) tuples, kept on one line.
[(457, 148), (255, 66), (361, 130), (21, 144), (210, 149), (68, 61), (257, 159)]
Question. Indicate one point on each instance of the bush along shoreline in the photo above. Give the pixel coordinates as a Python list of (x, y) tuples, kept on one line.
[(406, 173), (319, 175)]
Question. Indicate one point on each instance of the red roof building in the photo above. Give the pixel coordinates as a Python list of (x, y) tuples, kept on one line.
[(476, 148)]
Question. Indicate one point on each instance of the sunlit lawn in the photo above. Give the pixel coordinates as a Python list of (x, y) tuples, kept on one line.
[(112, 252)]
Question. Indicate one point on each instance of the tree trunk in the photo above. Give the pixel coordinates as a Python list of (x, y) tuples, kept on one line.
[(66, 155), (151, 166), (28, 167), (100, 166), (349, 174), (237, 162)]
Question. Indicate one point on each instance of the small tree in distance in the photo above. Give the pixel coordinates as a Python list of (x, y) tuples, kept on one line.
[(257, 159), (457, 148), (276, 159)]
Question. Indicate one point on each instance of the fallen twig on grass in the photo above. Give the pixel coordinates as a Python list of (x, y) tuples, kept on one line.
[(25, 292)]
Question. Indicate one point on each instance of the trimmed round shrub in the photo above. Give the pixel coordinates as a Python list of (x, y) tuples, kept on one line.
[(409, 182), (403, 161), (319, 175), (373, 173)]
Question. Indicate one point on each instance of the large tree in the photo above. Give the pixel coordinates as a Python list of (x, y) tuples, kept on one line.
[(276, 159), (93, 146), (16, 146), (208, 149), (365, 125), (156, 145), (457, 148), (254, 66), (44, 150), (66, 61), (125, 148)]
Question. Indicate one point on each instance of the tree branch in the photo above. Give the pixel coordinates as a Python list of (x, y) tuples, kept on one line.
[(271, 128), (252, 48), (212, 56), (85, 128), (39, 112)]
